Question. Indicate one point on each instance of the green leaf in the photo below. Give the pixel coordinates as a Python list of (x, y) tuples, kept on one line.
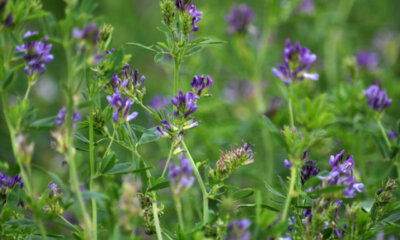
[(326, 190), (149, 137), (163, 29), (273, 191), (158, 57), (243, 193), (44, 123), (123, 168), (96, 195), (107, 163), (150, 48), (312, 182), (367, 205), (193, 50), (21, 222), (160, 185), (380, 144), (274, 131)]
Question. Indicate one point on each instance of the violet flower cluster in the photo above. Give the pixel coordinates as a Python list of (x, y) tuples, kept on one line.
[(159, 102), (6, 18), (308, 169), (240, 19), (122, 108), (297, 63), (377, 98), (90, 32), (60, 119), (128, 82), (181, 177), (195, 15), (201, 84), (238, 230), (367, 60), (89, 38), (36, 54), (10, 182), (342, 175)]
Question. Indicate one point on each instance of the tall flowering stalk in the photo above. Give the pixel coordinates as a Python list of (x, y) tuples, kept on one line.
[(378, 100), (297, 63), (181, 180), (36, 54)]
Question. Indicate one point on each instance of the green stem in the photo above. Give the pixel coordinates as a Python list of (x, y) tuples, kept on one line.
[(73, 172), (148, 174), (92, 171), (176, 74), (109, 145), (178, 207), (378, 120), (169, 158), (156, 220), (291, 112), (293, 173), (201, 183), (24, 176)]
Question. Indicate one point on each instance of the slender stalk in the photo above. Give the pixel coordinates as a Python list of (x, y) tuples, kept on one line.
[(178, 207), (92, 171), (293, 176), (148, 174), (71, 151), (201, 183), (110, 144), (176, 74), (290, 105), (378, 120), (24, 176), (28, 90), (169, 158), (156, 220)]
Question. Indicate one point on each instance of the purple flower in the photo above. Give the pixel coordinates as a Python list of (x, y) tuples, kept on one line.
[(37, 53), (200, 83), (181, 177), (90, 32), (297, 62), (393, 134), (237, 230), (185, 104), (367, 60), (54, 189), (122, 107), (127, 80), (180, 4), (342, 175), (287, 163), (306, 7), (308, 170), (159, 102), (8, 20), (196, 16), (240, 19), (307, 216), (61, 117), (17, 179), (334, 160), (377, 98), (339, 233)]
